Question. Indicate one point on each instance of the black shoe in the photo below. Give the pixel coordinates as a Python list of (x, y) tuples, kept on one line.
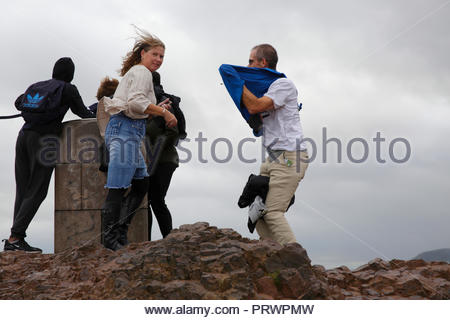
[(20, 245)]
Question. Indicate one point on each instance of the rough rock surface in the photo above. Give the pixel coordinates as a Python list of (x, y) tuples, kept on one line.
[(396, 279), (202, 262)]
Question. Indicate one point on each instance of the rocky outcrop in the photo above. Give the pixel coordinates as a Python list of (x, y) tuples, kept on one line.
[(203, 262), (396, 279)]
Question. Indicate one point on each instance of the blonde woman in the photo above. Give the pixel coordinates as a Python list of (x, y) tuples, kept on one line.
[(133, 101)]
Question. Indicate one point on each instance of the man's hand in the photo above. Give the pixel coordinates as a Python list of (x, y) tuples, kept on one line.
[(254, 104)]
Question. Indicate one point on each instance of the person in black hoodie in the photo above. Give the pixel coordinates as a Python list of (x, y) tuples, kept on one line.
[(31, 173)]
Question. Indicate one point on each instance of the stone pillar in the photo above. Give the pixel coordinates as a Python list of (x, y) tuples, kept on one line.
[(79, 189)]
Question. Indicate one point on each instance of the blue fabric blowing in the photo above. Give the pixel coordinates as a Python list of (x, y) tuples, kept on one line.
[(257, 80)]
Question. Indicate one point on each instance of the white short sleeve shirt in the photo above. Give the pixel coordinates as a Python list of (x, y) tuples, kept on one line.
[(282, 129), (134, 94)]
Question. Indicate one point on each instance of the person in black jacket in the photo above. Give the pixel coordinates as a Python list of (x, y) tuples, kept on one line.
[(165, 160), (31, 173)]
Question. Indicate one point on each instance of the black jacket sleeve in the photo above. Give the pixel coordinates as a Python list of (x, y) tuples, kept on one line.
[(75, 102)]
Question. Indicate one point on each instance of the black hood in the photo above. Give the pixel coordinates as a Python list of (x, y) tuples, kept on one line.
[(157, 87), (64, 69), (156, 78)]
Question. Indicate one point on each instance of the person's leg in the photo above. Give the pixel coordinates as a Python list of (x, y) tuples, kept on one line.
[(32, 182), (149, 220), (111, 217), (22, 175), (261, 226), (284, 179), (159, 184), (119, 141), (35, 195), (139, 183), (134, 199), (130, 206)]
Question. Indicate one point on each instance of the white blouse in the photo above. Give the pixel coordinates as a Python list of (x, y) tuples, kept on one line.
[(134, 94)]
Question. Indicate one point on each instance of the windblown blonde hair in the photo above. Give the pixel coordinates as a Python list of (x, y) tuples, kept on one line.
[(144, 41)]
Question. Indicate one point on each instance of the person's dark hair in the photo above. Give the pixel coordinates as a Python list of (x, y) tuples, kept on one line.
[(107, 87), (266, 51), (144, 41)]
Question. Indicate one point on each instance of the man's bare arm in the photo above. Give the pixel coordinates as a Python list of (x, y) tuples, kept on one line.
[(254, 104)]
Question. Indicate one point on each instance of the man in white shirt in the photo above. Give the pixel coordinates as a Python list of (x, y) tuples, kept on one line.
[(282, 137)]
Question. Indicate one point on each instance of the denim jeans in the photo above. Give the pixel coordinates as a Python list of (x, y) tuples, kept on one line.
[(123, 139)]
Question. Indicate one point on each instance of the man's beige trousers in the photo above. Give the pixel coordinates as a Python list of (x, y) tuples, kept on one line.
[(285, 174)]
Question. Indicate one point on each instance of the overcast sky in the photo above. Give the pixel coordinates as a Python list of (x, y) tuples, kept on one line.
[(361, 67)]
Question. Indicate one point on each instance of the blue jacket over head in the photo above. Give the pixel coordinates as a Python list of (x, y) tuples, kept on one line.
[(257, 80)]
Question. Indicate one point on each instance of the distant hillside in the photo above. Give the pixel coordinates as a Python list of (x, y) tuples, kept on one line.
[(435, 255)]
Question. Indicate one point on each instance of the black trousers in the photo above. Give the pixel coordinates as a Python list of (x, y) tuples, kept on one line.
[(159, 183), (33, 175)]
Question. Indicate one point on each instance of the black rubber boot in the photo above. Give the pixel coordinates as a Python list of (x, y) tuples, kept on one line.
[(110, 217), (110, 220), (129, 208), (123, 234), (125, 221)]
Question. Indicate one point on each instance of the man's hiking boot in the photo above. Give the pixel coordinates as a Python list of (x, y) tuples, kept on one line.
[(20, 245)]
